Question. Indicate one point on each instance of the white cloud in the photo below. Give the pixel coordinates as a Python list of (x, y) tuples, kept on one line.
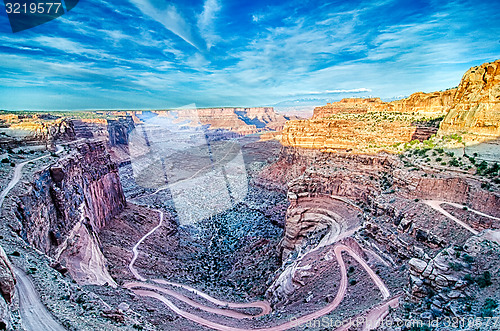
[(170, 18), (206, 22), (356, 90)]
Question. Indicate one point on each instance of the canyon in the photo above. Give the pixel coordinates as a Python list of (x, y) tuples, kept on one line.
[(244, 219)]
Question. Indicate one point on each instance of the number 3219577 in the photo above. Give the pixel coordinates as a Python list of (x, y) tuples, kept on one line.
[(33, 8)]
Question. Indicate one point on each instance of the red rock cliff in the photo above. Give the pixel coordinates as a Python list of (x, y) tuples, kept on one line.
[(67, 206), (476, 105)]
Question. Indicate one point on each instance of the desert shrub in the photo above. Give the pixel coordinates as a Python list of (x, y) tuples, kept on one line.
[(469, 279), (484, 280), (488, 307), (467, 258), (456, 266), (485, 185)]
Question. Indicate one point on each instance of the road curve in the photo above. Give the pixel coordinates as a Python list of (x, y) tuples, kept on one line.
[(299, 321), (135, 249), (436, 205), (34, 314), (192, 303), (264, 305)]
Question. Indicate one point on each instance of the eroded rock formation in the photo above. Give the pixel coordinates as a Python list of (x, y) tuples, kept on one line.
[(475, 110), (429, 104), (67, 206), (7, 289)]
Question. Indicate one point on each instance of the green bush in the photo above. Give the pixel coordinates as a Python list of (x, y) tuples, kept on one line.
[(467, 258), (488, 307), (484, 280)]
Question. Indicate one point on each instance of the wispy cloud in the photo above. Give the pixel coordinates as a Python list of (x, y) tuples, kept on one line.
[(169, 17), (154, 53), (356, 90), (206, 22)]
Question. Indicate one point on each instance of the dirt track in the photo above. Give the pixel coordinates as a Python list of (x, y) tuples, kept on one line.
[(34, 314), (379, 313)]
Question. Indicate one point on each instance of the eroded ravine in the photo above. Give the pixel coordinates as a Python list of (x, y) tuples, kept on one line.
[(263, 305)]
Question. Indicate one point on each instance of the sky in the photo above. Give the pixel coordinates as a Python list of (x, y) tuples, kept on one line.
[(157, 54)]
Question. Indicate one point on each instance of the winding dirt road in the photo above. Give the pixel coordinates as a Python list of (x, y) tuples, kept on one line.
[(34, 314), (299, 321), (266, 308), (436, 204), (135, 249)]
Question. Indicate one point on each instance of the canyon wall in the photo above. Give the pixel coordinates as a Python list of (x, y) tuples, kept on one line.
[(7, 289), (66, 207), (429, 104), (242, 121), (475, 111), (357, 134), (371, 125), (34, 129), (327, 190)]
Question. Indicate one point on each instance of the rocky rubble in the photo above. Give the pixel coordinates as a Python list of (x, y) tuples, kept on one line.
[(446, 283)]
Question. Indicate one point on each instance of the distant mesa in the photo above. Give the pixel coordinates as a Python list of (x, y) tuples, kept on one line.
[(372, 125)]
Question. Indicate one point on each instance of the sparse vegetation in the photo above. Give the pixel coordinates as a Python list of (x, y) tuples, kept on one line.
[(488, 307)]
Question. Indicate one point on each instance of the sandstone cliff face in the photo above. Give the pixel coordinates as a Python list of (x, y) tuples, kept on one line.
[(7, 289), (429, 104), (119, 130), (242, 121), (36, 129), (476, 105), (67, 205), (363, 134), (7, 277)]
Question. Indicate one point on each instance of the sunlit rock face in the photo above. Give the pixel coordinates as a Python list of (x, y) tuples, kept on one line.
[(430, 104), (476, 105), (368, 125), (34, 129), (355, 134), (238, 120), (66, 206)]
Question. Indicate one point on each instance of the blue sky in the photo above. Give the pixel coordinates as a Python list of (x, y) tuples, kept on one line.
[(136, 54)]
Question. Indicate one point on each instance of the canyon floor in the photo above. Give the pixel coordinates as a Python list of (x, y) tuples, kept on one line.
[(146, 221)]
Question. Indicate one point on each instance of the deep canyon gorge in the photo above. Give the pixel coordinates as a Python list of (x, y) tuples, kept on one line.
[(248, 219)]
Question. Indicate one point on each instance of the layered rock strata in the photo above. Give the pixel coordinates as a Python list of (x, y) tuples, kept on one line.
[(66, 207), (475, 110), (7, 289), (429, 104), (331, 187)]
